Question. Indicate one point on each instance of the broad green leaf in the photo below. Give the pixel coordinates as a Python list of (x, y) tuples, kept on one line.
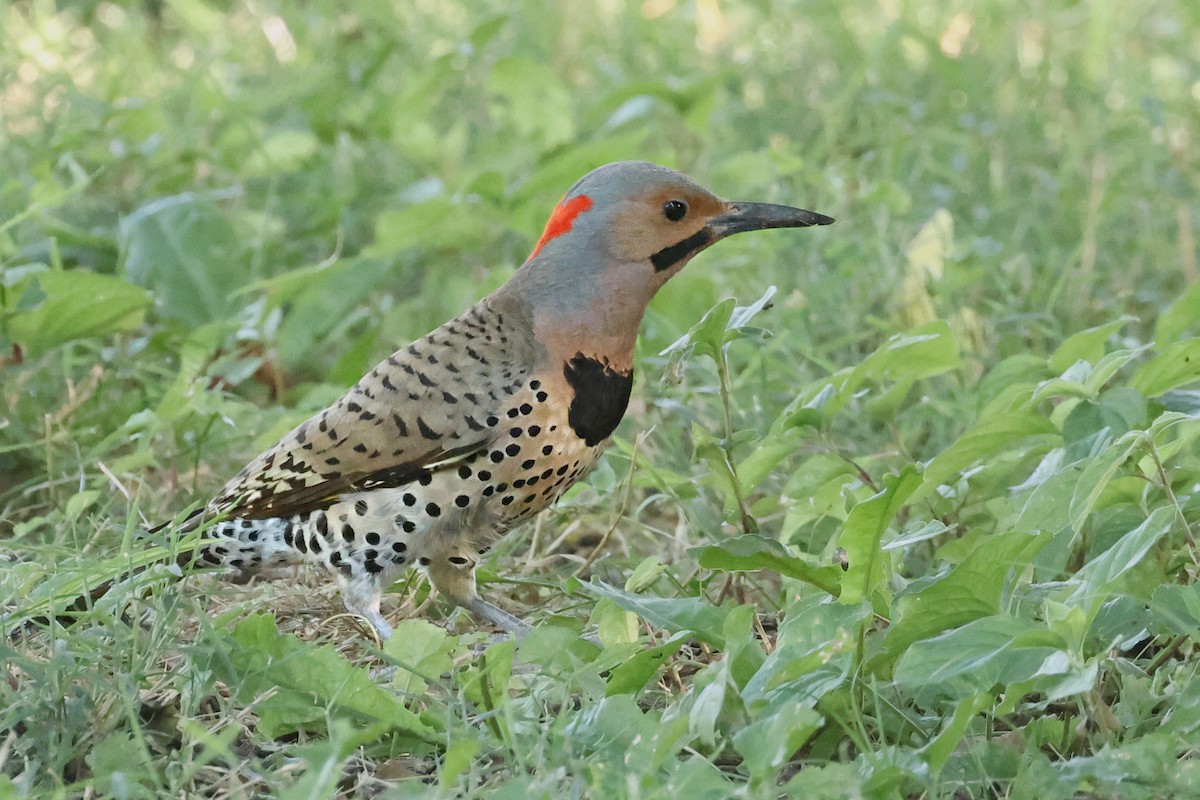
[(457, 760), (739, 320), (323, 760), (1171, 433), (635, 672), (971, 590), (1108, 366), (1176, 365), (922, 352), (986, 440), (767, 454), (1149, 761), (720, 472), (1048, 506), (708, 335), (80, 502), (939, 750), (961, 662), (683, 614), (922, 532), (1097, 580), (863, 532), (752, 552), (78, 305), (614, 625), (612, 725), (904, 358), (1097, 473), (1086, 345), (1183, 314), (1010, 384), (422, 652), (645, 574), (767, 743), (814, 654), (296, 684), (187, 253), (1178, 607), (802, 672)]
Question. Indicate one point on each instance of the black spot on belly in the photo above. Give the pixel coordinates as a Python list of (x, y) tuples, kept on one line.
[(601, 395)]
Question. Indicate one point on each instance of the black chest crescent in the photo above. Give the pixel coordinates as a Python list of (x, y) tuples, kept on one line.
[(601, 395)]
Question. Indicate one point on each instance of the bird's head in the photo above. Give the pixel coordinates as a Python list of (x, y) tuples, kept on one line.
[(620, 233)]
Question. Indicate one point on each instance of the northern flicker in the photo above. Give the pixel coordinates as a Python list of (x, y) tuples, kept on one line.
[(476, 427)]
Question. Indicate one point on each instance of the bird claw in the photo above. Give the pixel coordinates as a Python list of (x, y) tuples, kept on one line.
[(497, 616)]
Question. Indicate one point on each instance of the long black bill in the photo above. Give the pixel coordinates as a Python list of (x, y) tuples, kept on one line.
[(740, 217), (743, 217)]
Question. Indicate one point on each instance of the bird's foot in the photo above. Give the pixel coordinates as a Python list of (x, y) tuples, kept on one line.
[(382, 629), (497, 616)]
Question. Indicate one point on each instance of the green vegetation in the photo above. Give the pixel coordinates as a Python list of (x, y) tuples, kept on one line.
[(919, 524)]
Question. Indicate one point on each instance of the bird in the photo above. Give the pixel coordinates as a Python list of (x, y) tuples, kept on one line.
[(455, 439)]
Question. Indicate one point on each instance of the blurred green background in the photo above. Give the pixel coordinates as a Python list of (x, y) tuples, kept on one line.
[(303, 186)]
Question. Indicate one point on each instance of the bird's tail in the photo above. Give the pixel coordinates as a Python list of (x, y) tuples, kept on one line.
[(253, 544), (243, 545)]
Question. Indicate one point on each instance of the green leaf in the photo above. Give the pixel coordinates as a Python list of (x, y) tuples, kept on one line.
[(739, 320), (923, 352), (751, 552), (614, 625), (804, 669), (632, 674), (942, 747), (457, 760), (422, 651), (970, 591), (863, 532), (279, 153), (754, 468), (323, 760), (187, 253), (984, 441), (1086, 345), (78, 305), (1178, 607), (683, 614), (645, 574), (964, 661), (1097, 580), (1176, 365), (1183, 314), (296, 685), (769, 742), (1097, 473), (708, 335), (80, 502)]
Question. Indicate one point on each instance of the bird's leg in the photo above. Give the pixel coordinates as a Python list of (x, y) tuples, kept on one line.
[(457, 581), (362, 595)]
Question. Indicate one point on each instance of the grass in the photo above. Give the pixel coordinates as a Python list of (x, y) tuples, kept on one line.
[(920, 524)]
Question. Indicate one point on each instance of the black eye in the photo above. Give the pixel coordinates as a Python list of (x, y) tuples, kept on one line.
[(674, 210)]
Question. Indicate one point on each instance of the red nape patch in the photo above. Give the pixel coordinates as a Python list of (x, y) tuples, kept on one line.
[(561, 220)]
